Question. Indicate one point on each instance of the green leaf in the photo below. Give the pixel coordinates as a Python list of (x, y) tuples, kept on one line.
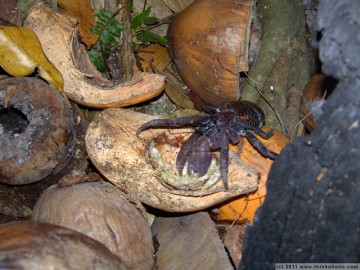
[(94, 30), (96, 58), (139, 19), (115, 28), (147, 36), (109, 31), (150, 20), (107, 39), (97, 28), (101, 48), (104, 15)]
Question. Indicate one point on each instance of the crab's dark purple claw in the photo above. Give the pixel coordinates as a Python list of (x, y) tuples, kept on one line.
[(199, 159), (196, 152), (184, 152), (169, 123)]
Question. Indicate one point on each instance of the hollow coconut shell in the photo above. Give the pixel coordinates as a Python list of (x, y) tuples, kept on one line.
[(120, 156), (47, 143), (57, 34), (209, 43)]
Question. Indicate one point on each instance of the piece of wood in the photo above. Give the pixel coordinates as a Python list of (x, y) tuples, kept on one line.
[(281, 69), (233, 241), (189, 242)]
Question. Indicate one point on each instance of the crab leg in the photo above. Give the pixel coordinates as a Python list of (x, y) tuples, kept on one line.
[(265, 135), (260, 147), (178, 122), (224, 160)]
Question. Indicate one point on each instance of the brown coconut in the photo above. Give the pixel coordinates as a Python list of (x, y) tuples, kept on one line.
[(103, 212), (209, 43), (31, 245)]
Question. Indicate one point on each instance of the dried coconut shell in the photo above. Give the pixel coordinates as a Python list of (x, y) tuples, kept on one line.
[(119, 155), (58, 37)]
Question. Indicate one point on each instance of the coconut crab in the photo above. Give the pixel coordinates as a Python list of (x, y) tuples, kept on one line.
[(228, 123)]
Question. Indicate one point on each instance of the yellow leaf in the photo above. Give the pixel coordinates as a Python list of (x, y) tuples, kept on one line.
[(21, 53)]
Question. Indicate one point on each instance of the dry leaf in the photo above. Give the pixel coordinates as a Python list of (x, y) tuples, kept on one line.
[(155, 53), (84, 14), (175, 91), (21, 53)]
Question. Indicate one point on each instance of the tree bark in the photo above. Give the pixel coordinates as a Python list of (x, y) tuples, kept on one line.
[(281, 69), (311, 213)]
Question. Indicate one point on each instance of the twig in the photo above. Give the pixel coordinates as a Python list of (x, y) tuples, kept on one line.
[(242, 211)]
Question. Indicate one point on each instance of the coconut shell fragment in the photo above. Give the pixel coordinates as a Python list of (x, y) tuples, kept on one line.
[(58, 36), (119, 155)]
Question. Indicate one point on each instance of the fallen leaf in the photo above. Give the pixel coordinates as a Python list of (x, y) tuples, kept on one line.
[(21, 53), (156, 53), (84, 14)]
